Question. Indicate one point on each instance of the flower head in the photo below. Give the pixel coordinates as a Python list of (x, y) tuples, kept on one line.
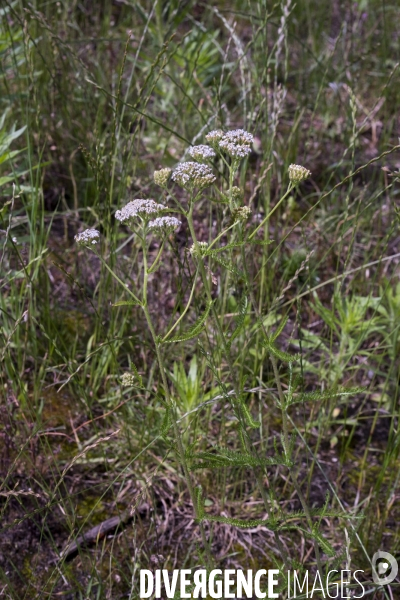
[(236, 143), (237, 193), (241, 214), (164, 225), (214, 136), (88, 238), (190, 175), (238, 136), (144, 209), (297, 174), (162, 176), (202, 153), (200, 250), (129, 379)]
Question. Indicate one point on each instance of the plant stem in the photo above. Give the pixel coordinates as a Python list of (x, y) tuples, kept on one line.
[(172, 406), (287, 454), (257, 472), (271, 212)]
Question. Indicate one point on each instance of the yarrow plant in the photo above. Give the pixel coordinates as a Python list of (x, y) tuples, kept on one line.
[(228, 252)]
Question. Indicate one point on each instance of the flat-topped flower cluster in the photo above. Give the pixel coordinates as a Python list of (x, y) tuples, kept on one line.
[(164, 225), (89, 237), (190, 175), (145, 209), (236, 143)]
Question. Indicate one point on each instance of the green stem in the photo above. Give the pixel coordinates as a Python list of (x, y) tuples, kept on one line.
[(290, 187), (257, 472), (287, 454), (172, 406), (157, 259), (166, 336), (117, 278)]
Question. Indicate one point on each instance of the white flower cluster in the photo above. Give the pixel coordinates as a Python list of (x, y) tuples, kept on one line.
[(236, 143), (241, 214), (145, 209), (190, 175), (164, 225), (162, 176), (214, 136), (202, 153), (200, 250), (88, 237), (128, 379), (297, 174)]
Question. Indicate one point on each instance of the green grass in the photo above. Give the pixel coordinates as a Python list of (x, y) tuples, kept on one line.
[(94, 98)]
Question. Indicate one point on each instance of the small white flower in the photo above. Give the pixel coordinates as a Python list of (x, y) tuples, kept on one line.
[(164, 225), (128, 379), (235, 150), (89, 237), (241, 214), (297, 174), (214, 136), (237, 143), (238, 136), (200, 250), (202, 153), (144, 209), (191, 174)]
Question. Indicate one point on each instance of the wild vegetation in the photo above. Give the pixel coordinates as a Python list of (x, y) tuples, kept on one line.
[(200, 296)]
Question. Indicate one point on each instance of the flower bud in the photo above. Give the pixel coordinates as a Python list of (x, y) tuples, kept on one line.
[(297, 174)]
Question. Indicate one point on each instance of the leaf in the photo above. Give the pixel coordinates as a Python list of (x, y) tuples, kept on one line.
[(279, 329), (325, 395), (166, 423), (227, 265), (239, 319), (193, 331), (283, 356), (240, 522), (127, 303), (223, 457), (136, 373), (248, 416), (213, 252), (5, 179)]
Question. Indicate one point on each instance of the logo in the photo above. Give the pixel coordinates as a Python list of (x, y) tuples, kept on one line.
[(384, 567)]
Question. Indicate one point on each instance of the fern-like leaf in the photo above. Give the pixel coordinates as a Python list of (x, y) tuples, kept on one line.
[(126, 303), (248, 416), (239, 319), (193, 331), (214, 252), (280, 354), (167, 422), (279, 330), (227, 265), (223, 457), (325, 395), (240, 522)]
